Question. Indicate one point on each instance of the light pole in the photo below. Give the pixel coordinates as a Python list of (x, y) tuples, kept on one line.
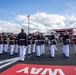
[(28, 24)]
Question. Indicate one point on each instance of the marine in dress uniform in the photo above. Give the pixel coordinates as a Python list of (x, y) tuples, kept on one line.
[(16, 44), (42, 44), (1, 44), (33, 43), (5, 42), (38, 45), (29, 44), (52, 44), (66, 44), (12, 44), (22, 42)]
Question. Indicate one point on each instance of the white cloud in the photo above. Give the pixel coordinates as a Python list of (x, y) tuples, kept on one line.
[(21, 18), (43, 21), (71, 21), (39, 21), (7, 26)]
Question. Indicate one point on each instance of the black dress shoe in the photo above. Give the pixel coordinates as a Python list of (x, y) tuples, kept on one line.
[(37, 56), (21, 61), (66, 57), (5, 52), (16, 53), (11, 55), (52, 57), (55, 51), (63, 53), (0, 53), (29, 54)]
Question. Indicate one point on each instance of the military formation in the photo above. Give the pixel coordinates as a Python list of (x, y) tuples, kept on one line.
[(24, 44)]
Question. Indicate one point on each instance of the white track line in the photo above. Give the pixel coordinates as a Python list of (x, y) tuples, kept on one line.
[(7, 60), (10, 62)]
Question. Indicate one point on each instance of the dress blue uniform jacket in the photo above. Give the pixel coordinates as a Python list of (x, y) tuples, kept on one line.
[(12, 41), (29, 41), (4, 40), (1, 42), (42, 40), (66, 39), (22, 39), (33, 40), (52, 40)]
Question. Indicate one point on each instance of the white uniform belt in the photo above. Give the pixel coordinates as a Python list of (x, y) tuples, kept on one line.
[(11, 40), (67, 39), (40, 40), (21, 39), (53, 40), (29, 40)]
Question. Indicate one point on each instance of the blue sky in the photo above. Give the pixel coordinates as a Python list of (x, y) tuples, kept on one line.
[(13, 13)]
